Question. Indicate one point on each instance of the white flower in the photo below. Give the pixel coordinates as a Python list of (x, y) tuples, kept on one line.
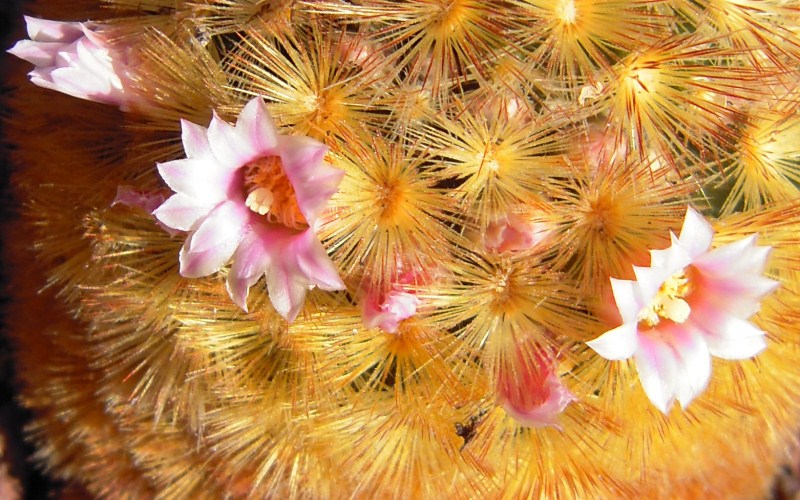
[(690, 304)]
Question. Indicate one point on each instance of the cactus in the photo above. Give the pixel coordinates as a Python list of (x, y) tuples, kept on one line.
[(411, 249)]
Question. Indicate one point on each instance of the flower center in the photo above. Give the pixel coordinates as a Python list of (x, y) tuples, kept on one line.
[(269, 192), (669, 302), (566, 12)]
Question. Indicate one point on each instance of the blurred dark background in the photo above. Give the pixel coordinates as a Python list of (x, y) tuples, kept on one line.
[(18, 477)]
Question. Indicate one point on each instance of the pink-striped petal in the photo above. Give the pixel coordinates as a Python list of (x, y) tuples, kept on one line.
[(387, 315), (201, 179), (313, 180), (546, 414), (287, 289), (693, 361), (256, 125), (232, 149), (182, 212), (250, 262), (737, 296), (211, 246), (728, 336), (658, 371), (226, 225), (36, 53), (735, 258), (199, 264), (313, 261)]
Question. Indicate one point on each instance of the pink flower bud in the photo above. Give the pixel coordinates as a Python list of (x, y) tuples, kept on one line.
[(76, 59)]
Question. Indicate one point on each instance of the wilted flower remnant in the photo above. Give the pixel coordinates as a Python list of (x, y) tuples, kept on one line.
[(530, 390), (387, 310), (248, 195), (386, 306), (690, 304), (513, 233), (77, 59)]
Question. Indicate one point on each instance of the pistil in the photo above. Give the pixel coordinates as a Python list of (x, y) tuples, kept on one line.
[(669, 301), (269, 192)]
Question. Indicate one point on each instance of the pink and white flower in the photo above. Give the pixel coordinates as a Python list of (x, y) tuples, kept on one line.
[(530, 390), (690, 304), (249, 196), (77, 59)]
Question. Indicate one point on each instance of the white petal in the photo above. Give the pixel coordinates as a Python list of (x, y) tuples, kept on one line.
[(659, 258), (45, 30), (619, 343), (195, 140), (201, 179), (72, 81), (626, 295), (674, 258), (729, 337), (741, 256), (696, 233)]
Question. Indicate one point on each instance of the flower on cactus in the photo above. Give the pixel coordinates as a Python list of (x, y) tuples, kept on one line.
[(251, 196), (77, 59), (388, 311), (530, 390), (474, 173), (690, 304)]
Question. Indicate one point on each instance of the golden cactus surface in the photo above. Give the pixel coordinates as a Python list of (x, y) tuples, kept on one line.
[(497, 169)]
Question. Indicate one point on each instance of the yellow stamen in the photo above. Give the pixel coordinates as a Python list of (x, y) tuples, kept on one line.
[(269, 192), (260, 200), (669, 302)]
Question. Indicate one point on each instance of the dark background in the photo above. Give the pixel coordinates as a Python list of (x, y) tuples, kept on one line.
[(12, 417)]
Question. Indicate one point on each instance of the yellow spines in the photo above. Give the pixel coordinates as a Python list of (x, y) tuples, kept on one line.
[(501, 162)]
